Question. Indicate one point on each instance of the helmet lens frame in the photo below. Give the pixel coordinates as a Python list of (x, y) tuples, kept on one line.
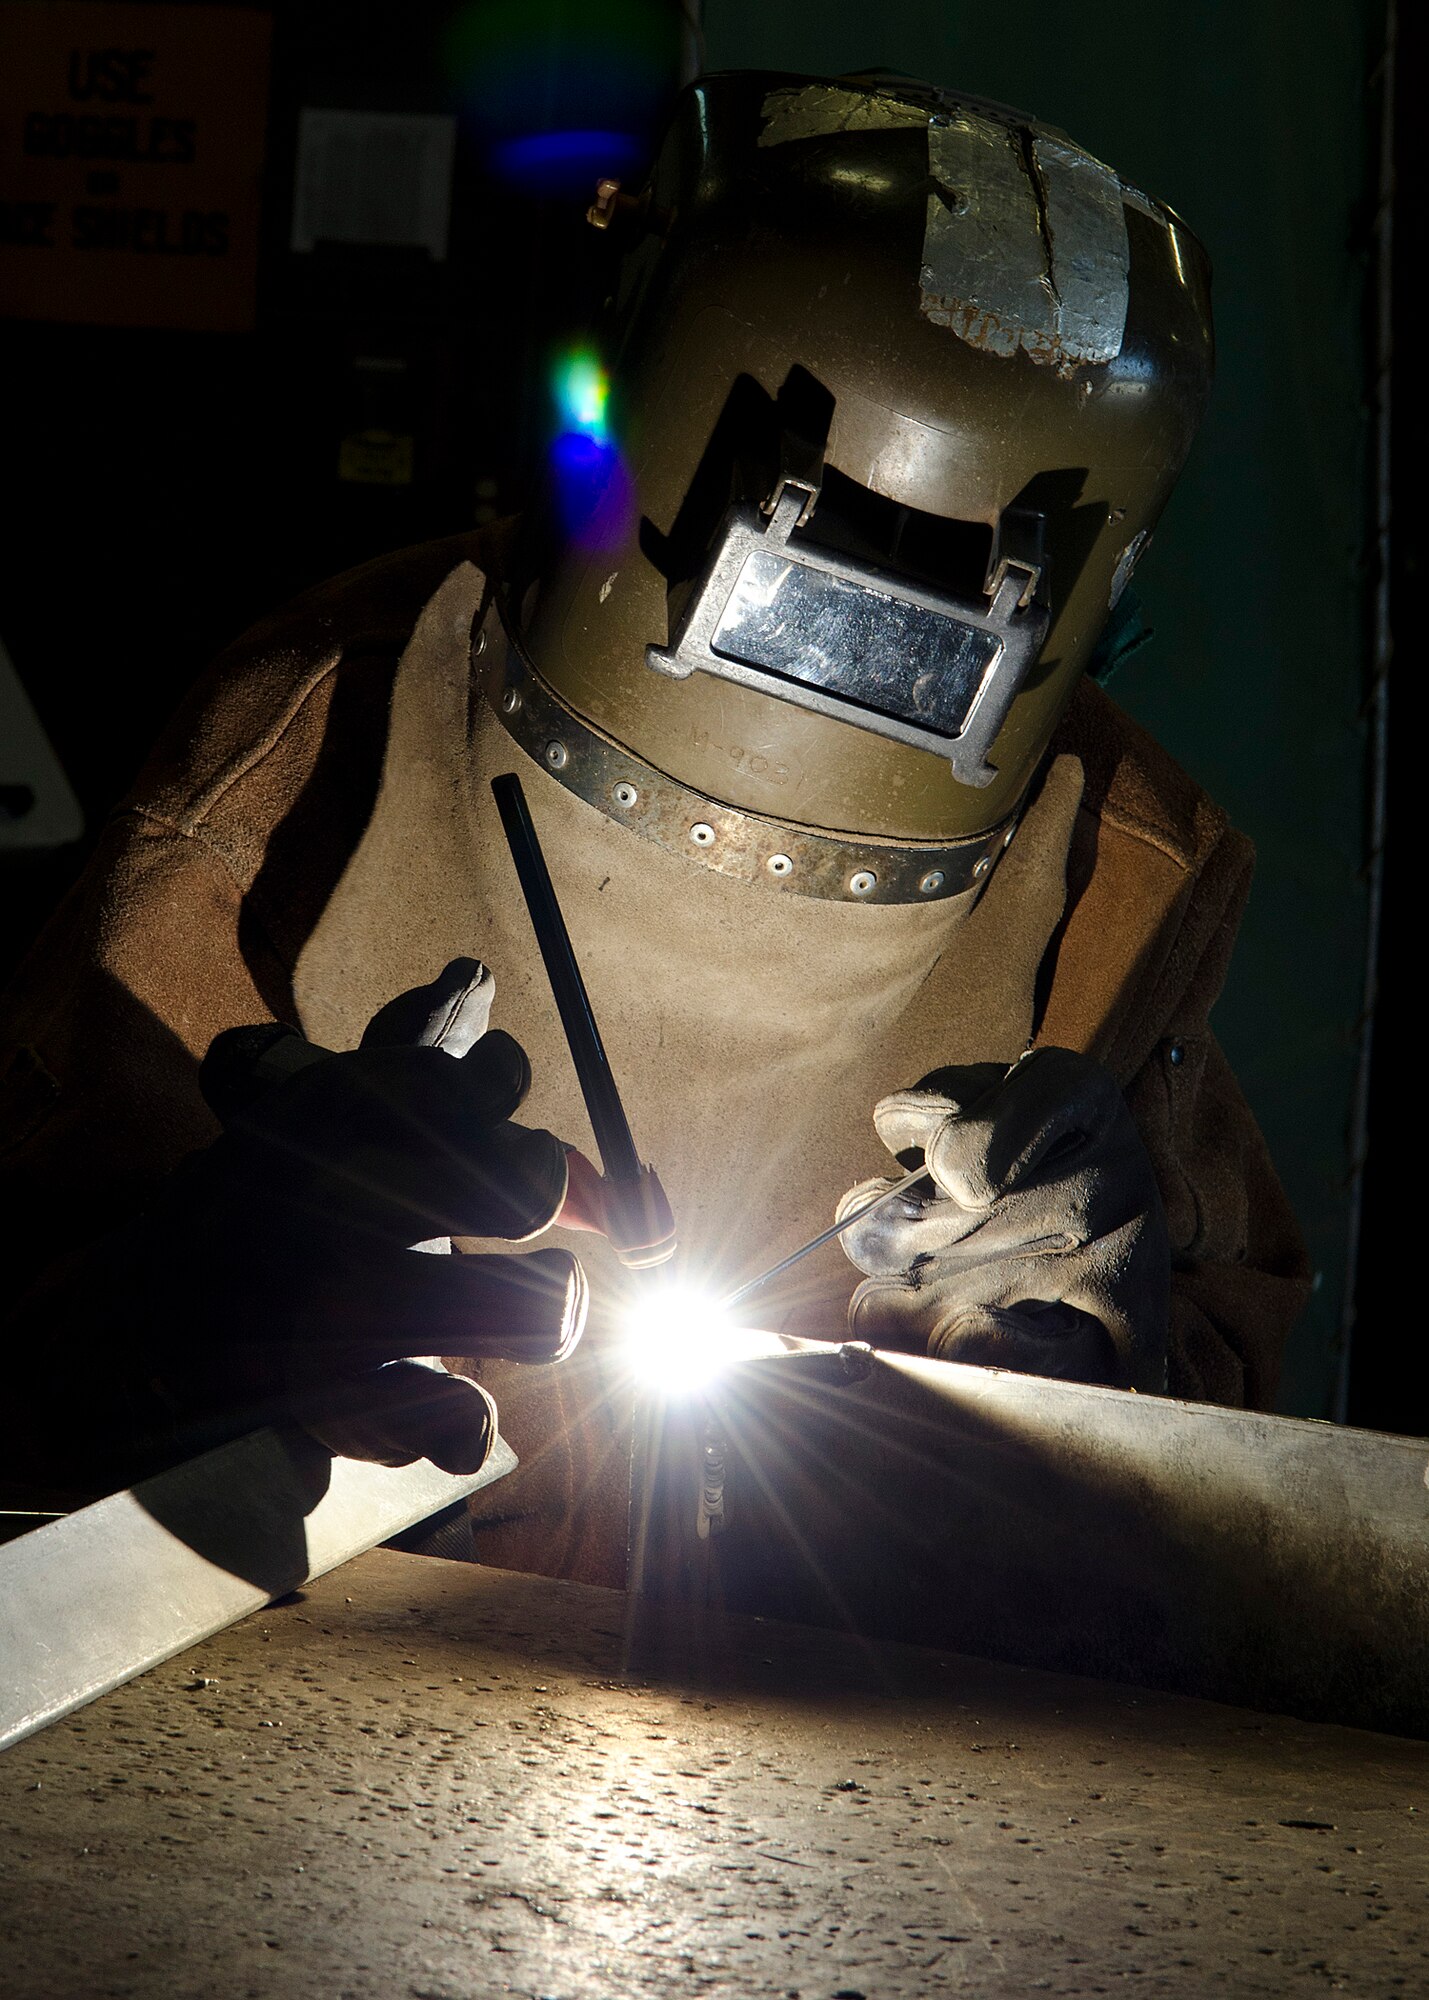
[(827, 632)]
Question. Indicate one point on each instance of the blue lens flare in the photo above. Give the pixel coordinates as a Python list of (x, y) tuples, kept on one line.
[(593, 489), (562, 96), (566, 163)]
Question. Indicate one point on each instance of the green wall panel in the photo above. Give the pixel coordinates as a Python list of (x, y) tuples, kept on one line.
[(1252, 121)]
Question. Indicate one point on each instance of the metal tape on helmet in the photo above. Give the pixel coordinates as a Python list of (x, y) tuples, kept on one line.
[(811, 111), (1025, 246)]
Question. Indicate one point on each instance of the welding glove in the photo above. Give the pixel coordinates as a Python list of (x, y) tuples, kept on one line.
[(1037, 1241), (285, 1264)]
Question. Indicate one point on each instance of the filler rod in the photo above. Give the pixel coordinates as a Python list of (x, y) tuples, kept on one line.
[(827, 1235), (638, 1219)]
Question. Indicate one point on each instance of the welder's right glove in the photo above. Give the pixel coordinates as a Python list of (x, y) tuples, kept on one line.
[(285, 1267)]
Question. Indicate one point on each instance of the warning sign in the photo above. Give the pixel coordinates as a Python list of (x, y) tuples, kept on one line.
[(131, 159)]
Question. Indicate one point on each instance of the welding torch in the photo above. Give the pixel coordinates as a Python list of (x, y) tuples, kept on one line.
[(634, 1211)]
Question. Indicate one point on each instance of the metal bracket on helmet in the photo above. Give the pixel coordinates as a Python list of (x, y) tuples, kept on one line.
[(847, 647), (1019, 543), (801, 472)]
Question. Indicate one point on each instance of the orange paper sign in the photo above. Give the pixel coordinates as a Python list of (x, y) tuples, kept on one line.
[(131, 160)]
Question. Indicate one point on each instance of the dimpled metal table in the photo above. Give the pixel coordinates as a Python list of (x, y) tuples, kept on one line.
[(423, 1780)]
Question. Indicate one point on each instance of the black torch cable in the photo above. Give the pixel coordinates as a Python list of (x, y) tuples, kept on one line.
[(618, 1156)]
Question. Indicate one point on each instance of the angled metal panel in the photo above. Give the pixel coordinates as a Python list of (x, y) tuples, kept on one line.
[(91, 1600), (1263, 1560)]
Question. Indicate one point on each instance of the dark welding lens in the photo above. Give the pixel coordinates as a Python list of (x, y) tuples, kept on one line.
[(824, 630)]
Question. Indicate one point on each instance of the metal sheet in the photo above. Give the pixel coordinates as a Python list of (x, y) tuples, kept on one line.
[(89, 1601), (1255, 1559)]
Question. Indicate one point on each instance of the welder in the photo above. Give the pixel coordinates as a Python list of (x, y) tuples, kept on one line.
[(862, 866)]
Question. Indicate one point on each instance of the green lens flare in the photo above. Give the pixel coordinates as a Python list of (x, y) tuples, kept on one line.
[(582, 393)]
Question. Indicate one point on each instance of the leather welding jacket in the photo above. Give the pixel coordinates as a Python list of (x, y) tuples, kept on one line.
[(315, 833)]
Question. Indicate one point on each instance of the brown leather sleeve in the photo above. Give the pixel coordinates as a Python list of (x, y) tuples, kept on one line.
[(104, 1033), (183, 924), (187, 920), (98, 1101), (1240, 1270), (198, 900), (1240, 1274), (1157, 882)]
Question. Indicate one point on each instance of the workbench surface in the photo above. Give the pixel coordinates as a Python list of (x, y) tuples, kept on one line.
[(429, 1781)]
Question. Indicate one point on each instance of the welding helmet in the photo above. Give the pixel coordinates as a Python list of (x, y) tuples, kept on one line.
[(900, 382)]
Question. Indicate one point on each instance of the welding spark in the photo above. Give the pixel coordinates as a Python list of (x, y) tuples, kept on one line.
[(679, 1340)]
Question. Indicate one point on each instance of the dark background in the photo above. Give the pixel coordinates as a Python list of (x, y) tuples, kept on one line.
[(166, 488)]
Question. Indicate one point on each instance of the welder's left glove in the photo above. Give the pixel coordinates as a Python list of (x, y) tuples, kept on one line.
[(279, 1271), (1038, 1242)]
